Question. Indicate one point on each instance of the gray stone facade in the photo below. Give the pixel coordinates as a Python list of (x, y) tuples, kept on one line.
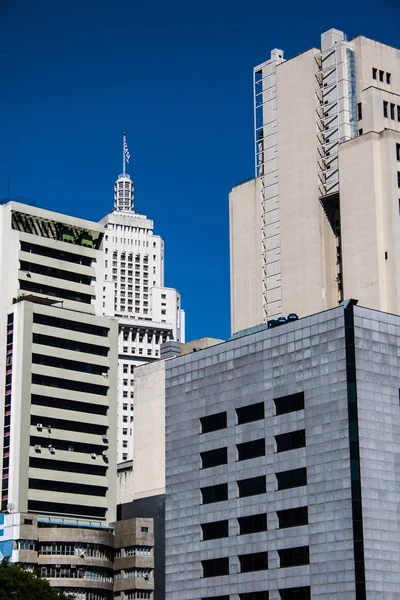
[(310, 356)]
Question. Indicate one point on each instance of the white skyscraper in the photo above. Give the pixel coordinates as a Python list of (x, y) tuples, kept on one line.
[(320, 221), (133, 291)]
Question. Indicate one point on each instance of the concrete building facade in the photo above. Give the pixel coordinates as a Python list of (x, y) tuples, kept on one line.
[(149, 314), (319, 221), (281, 463), (58, 370)]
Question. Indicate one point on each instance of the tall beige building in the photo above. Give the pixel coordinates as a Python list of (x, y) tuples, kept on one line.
[(321, 219)]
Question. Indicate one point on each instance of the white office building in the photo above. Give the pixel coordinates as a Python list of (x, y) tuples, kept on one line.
[(149, 314), (58, 370), (320, 221)]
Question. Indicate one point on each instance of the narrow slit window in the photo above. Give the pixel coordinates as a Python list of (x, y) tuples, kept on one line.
[(385, 109)]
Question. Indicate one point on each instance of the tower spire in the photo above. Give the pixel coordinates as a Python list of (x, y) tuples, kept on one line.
[(123, 187)]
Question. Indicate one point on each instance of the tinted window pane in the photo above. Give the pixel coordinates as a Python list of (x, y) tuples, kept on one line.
[(293, 517), (213, 422), (253, 562), (252, 524), (215, 567), (287, 404), (291, 479), (251, 449), (294, 557), (299, 593), (252, 486), (247, 414), (290, 441), (215, 493), (213, 458), (215, 530)]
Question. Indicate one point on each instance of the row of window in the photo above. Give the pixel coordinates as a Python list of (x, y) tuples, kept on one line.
[(258, 561), (56, 254), (253, 412), (291, 517), (382, 75), (297, 593), (82, 550), (254, 486), (133, 350), (79, 594), (134, 573), (394, 110), (133, 551), (72, 572), (127, 240), (256, 448)]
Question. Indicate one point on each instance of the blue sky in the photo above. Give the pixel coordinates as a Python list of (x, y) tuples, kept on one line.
[(177, 76)]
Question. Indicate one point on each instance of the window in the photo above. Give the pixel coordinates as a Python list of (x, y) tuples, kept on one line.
[(392, 113), (247, 414), (252, 524), (398, 179), (288, 404), (144, 529), (397, 151), (291, 479), (385, 108), (293, 517), (290, 441), (386, 255), (374, 73), (254, 596), (398, 113), (249, 450), (215, 567), (214, 493), (299, 593), (388, 78), (381, 74), (252, 486), (216, 598), (215, 530), (294, 557), (360, 131), (253, 562), (359, 111), (213, 422), (213, 458)]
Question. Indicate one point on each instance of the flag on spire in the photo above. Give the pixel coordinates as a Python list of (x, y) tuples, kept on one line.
[(126, 151)]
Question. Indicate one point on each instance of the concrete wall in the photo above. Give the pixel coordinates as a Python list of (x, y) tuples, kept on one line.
[(307, 241), (149, 442), (245, 255), (370, 220)]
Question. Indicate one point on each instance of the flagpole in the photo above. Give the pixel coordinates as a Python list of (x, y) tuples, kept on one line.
[(123, 153)]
